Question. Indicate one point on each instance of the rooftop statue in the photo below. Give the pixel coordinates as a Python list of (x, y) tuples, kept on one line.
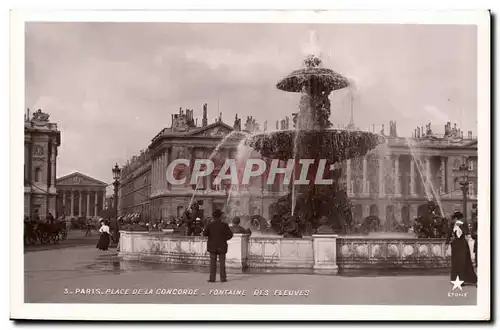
[(40, 116)]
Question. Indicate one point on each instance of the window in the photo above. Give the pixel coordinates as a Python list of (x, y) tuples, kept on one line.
[(471, 189), (180, 211), (471, 165), (38, 174)]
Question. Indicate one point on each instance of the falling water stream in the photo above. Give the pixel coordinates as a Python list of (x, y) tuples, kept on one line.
[(212, 155), (430, 191), (242, 154), (295, 147)]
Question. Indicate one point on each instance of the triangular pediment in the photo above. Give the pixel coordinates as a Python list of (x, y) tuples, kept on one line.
[(79, 179), (213, 130)]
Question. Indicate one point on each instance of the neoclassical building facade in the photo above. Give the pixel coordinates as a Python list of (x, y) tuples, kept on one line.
[(41, 141), (394, 181), (79, 195)]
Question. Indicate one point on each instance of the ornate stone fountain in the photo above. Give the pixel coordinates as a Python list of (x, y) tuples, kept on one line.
[(313, 138), (323, 209)]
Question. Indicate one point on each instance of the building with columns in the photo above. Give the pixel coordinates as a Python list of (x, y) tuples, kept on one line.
[(394, 181), (41, 141), (79, 195)]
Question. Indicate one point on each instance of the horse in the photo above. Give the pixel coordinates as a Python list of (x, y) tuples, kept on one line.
[(48, 232), (29, 233)]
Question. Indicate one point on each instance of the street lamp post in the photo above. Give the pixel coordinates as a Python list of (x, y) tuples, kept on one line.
[(463, 177), (116, 183)]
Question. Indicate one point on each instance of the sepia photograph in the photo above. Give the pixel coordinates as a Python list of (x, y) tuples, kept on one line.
[(273, 165)]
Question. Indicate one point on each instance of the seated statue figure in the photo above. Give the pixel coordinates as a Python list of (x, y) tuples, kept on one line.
[(290, 228)]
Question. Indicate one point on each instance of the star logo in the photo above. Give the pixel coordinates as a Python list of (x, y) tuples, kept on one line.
[(457, 284)]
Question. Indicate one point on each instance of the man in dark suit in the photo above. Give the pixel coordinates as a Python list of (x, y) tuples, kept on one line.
[(218, 234)]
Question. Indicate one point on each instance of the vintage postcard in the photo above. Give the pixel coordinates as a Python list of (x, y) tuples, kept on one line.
[(282, 165)]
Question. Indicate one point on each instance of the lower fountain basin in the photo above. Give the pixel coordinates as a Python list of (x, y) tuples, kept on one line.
[(335, 145), (315, 254)]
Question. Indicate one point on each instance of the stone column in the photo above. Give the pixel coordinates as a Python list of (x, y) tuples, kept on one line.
[(161, 166), (443, 175), (348, 176), (208, 178), (80, 203), (53, 165), (72, 203), (365, 175), (168, 186), (412, 177), (88, 203), (381, 188), (158, 177), (325, 254), (159, 169), (103, 199), (153, 176), (428, 177), (162, 170), (397, 182), (64, 200), (191, 157), (95, 203)]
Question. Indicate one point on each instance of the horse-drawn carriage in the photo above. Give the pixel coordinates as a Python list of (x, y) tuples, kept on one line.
[(45, 232)]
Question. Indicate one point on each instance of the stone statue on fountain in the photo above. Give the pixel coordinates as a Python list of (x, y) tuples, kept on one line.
[(295, 118), (430, 224), (291, 227)]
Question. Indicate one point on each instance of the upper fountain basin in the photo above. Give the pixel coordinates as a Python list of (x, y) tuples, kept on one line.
[(335, 145), (312, 76)]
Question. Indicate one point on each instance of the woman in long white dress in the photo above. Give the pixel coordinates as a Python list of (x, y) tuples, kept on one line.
[(103, 243), (461, 261)]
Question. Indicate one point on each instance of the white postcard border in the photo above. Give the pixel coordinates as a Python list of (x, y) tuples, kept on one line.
[(248, 312)]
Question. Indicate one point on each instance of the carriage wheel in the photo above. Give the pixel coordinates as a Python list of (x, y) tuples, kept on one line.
[(31, 239), (64, 235), (44, 238)]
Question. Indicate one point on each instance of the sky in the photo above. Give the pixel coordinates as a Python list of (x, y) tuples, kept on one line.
[(111, 87)]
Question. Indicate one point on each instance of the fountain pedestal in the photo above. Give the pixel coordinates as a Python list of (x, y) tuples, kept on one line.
[(325, 254), (237, 251)]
